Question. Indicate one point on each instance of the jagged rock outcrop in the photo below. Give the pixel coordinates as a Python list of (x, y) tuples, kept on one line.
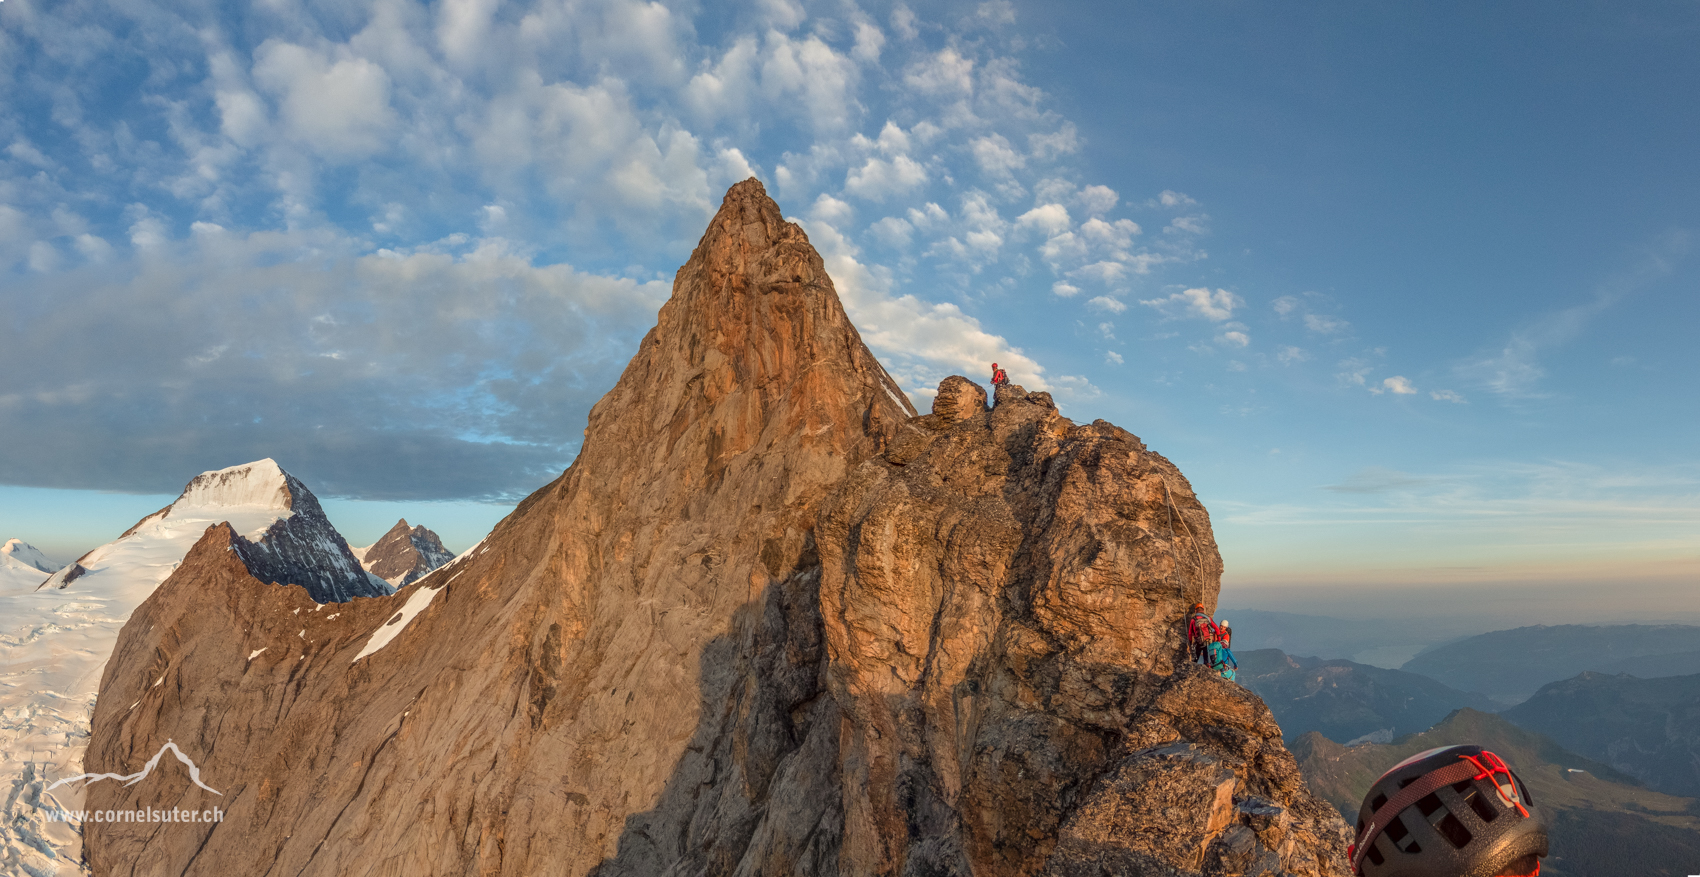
[(769, 622), (1002, 594), (404, 554)]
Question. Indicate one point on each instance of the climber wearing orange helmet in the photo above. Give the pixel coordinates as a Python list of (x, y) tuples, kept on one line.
[(1200, 633), (999, 377)]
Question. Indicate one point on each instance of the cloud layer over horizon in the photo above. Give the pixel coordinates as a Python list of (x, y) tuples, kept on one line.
[(412, 245)]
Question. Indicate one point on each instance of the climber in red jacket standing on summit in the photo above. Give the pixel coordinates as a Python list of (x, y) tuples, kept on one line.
[(999, 377)]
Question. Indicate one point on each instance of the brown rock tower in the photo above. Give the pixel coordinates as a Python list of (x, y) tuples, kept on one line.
[(769, 622)]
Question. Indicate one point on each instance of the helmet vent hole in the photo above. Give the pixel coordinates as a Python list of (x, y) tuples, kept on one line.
[(1428, 804), (1377, 803), (1375, 857), (1401, 836), (1454, 831), (1473, 797)]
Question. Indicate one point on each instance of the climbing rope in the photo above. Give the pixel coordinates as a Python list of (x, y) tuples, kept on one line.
[(1193, 537)]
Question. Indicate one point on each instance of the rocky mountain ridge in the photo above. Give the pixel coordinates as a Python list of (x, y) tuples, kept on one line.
[(1647, 728), (1511, 665), (404, 554), (1347, 701), (769, 622)]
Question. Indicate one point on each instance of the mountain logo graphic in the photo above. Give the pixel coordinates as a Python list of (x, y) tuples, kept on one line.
[(134, 778)]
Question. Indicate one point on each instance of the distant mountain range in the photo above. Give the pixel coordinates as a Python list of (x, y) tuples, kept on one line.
[(1382, 643), (1647, 728), (1346, 701), (1510, 665), (1604, 823)]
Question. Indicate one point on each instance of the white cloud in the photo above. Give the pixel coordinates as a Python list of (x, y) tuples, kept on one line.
[(869, 40), (1353, 372), (996, 12), (782, 14), (43, 257), (947, 74), (94, 249), (1051, 219), (1105, 303), (1186, 225), (995, 157), (928, 216), (339, 106), (1446, 396), (1289, 355), (147, 233), (421, 337), (1285, 305), (1098, 200), (810, 71), (1171, 198), (923, 342), (723, 89), (831, 210), (1106, 271), (1115, 236), (892, 140), (1399, 385), (1214, 306), (1325, 325), (1063, 141), (879, 179), (462, 26), (892, 231), (903, 21), (1233, 338), (1112, 358), (23, 151), (1064, 289)]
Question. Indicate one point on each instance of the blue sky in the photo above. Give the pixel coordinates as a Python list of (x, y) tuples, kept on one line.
[(1407, 291)]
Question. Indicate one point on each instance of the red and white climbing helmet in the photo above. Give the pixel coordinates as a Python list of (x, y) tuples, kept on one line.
[(1456, 811)]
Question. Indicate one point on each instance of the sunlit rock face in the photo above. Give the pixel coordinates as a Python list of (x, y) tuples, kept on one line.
[(770, 622)]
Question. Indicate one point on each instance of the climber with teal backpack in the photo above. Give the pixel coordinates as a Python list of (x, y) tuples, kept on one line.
[(1221, 656), (1207, 643)]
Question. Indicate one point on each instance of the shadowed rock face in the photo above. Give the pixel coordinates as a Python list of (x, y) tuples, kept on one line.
[(405, 554), (768, 623), (305, 550)]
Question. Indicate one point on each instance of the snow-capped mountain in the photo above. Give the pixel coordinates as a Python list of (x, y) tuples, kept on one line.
[(404, 555), (55, 639), (23, 566)]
